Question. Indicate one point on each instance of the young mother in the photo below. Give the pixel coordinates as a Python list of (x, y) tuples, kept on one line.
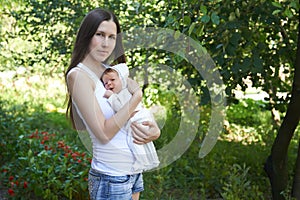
[(111, 176)]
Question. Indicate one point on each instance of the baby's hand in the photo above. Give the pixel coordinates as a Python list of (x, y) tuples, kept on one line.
[(108, 93)]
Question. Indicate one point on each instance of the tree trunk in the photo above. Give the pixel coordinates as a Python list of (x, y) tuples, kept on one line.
[(276, 164), (296, 183)]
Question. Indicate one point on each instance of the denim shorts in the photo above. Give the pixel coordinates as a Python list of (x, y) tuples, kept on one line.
[(105, 187)]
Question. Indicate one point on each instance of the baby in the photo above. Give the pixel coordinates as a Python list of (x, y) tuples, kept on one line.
[(115, 81)]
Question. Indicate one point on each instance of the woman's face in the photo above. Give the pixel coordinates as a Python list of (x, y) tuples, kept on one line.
[(104, 41)]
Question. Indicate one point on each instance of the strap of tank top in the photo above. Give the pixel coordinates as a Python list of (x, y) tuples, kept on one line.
[(92, 75)]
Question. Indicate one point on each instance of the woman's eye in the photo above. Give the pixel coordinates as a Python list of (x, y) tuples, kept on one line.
[(100, 34)]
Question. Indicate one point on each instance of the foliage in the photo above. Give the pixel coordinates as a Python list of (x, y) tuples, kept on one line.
[(247, 112), (242, 37), (44, 164), (38, 37), (238, 183), (36, 163)]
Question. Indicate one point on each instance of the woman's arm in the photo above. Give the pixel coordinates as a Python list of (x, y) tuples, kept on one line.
[(82, 91)]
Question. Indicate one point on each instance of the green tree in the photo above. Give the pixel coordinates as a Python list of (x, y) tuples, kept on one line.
[(276, 164)]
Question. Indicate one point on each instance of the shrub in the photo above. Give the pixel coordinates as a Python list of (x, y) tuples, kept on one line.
[(248, 112), (237, 184), (46, 167)]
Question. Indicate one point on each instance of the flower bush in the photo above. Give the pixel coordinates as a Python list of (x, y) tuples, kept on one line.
[(46, 167)]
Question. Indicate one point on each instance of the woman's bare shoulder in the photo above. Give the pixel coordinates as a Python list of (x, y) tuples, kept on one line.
[(78, 78)]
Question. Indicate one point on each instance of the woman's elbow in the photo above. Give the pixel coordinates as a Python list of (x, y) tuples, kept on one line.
[(103, 139)]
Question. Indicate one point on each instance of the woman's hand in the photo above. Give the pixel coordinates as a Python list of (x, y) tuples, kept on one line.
[(133, 87), (145, 132)]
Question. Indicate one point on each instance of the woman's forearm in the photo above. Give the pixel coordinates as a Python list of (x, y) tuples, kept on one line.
[(114, 124)]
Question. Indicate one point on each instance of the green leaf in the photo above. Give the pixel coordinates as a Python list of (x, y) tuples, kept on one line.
[(235, 38), (288, 13), (215, 18), (192, 28), (235, 68), (245, 64), (275, 12), (276, 4), (186, 20), (295, 5), (230, 50), (203, 9), (237, 12), (232, 16), (199, 30), (205, 19), (257, 63)]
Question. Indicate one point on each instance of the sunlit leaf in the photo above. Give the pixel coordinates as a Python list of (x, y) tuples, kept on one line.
[(277, 4)]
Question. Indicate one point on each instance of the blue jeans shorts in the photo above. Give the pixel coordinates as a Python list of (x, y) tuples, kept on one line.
[(105, 187)]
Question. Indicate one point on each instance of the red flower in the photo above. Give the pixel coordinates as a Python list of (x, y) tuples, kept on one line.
[(46, 138), (12, 184), (34, 134), (67, 149), (79, 161), (44, 133), (11, 192), (61, 144), (25, 185), (11, 178), (75, 154)]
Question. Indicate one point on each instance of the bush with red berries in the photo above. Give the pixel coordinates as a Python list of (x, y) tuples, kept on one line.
[(45, 167)]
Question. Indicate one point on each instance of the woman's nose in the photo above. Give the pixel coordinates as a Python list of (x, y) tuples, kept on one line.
[(105, 42)]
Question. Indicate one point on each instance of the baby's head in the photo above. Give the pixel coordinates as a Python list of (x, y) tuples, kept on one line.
[(115, 78)]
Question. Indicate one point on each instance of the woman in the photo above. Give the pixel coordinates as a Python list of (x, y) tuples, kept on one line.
[(111, 175)]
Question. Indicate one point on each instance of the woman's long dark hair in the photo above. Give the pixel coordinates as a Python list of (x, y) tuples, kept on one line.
[(85, 33)]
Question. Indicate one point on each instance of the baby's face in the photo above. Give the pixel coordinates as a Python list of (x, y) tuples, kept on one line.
[(112, 82)]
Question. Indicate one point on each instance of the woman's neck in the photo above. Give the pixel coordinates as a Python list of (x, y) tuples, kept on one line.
[(96, 67)]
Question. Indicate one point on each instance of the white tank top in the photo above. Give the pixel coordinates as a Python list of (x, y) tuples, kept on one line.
[(114, 158)]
